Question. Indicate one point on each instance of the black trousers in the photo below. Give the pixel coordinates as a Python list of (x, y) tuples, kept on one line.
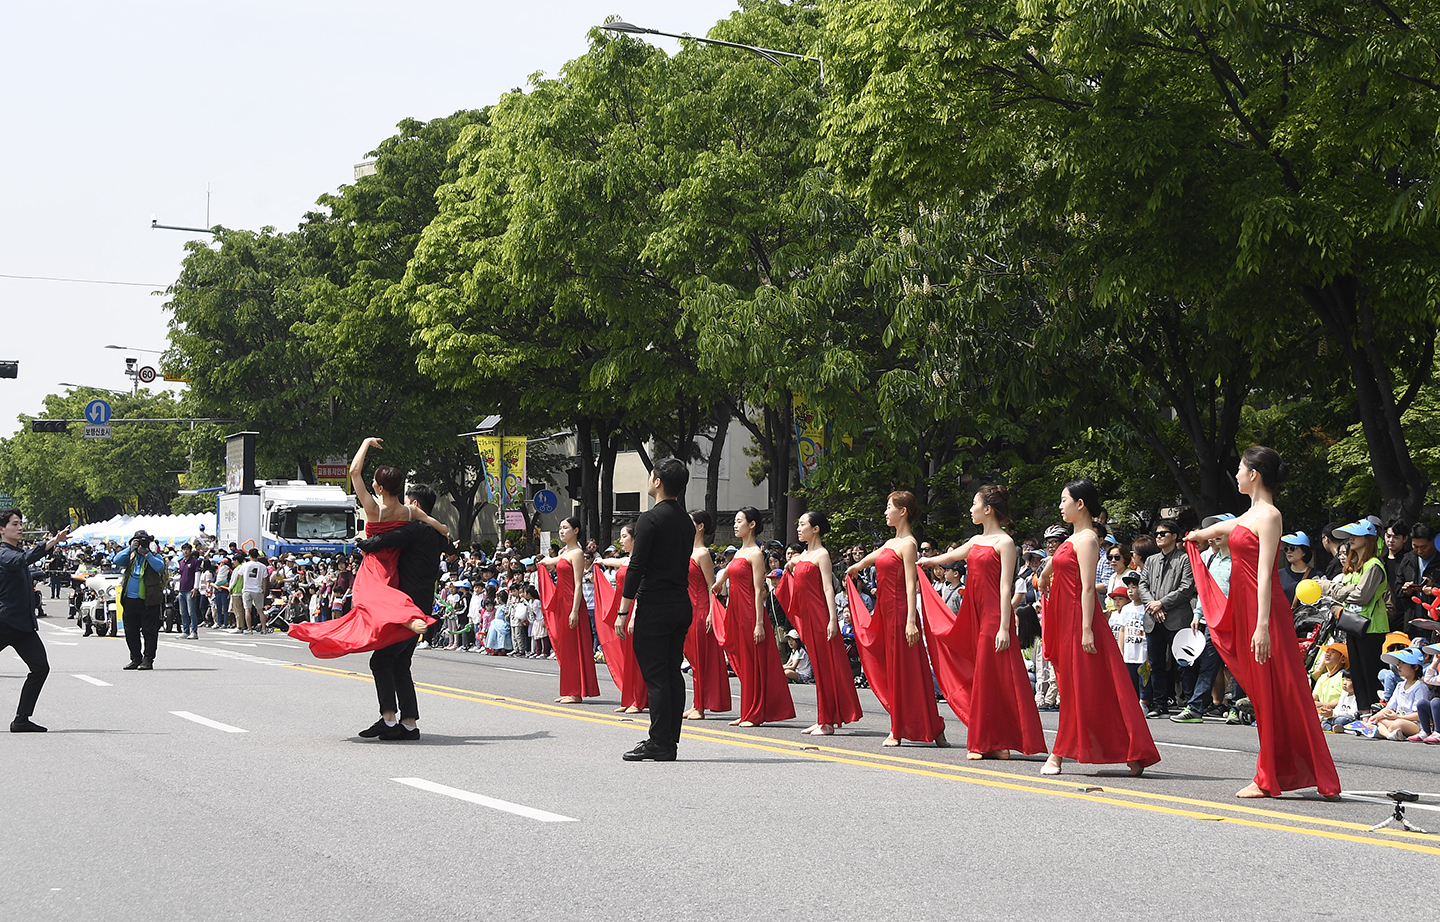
[(1365, 666), (142, 622), (1162, 680), (394, 685), (31, 649), (660, 649)]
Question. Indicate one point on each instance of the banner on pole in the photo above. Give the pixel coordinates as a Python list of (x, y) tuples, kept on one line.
[(489, 446), (809, 438), (512, 469)]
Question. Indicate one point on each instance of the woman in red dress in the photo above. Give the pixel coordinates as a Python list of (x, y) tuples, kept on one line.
[(1260, 649), (807, 593), (1001, 706), (749, 642), (890, 648), (1100, 717), (702, 646), (565, 620), (619, 651), (380, 614)]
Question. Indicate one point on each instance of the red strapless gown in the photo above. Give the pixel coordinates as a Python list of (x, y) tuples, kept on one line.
[(574, 649), (1100, 717), (619, 654), (802, 595), (1002, 713), (379, 612), (764, 691), (899, 674), (1293, 752), (702, 647)]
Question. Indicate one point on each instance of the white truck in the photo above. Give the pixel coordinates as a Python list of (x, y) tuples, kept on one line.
[(289, 517)]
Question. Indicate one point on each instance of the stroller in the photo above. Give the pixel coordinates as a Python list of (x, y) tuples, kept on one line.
[(1315, 626), (285, 611)]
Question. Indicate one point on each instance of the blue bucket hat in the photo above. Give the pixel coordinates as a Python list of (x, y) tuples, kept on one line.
[(1408, 655)]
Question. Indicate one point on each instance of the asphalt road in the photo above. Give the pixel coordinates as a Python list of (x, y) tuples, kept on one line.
[(259, 802)]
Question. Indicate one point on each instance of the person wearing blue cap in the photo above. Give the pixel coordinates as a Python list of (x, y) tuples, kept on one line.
[(1361, 589), (1400, 718), (1298, 554)]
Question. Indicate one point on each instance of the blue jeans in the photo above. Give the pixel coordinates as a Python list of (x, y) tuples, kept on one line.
[(187, 613), (1429, 714), (1206, 670), (222, 607)]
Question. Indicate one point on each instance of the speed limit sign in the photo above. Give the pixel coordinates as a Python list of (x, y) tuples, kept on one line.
[(147, 375)]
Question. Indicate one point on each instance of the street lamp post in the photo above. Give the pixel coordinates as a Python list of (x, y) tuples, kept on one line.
[(773, 55), (132, 366)]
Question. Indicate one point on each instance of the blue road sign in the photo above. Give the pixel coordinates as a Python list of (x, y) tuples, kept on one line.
[(546, 501), (97, 412)]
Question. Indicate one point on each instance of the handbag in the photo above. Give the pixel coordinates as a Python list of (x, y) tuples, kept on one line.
[(1351, 621)]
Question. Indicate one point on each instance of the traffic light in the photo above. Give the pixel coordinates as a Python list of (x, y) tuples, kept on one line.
[(572, 485), (9, 369), (49, 425)]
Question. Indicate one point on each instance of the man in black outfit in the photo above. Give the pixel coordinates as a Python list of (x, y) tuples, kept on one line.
[(18, 628), (658, 576), (419, 568)]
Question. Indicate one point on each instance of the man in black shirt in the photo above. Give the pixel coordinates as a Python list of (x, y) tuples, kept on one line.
[(418, 569), (658, 576), (18, 628)]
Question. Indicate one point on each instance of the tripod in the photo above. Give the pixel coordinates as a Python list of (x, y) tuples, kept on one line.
[(1400, 799)]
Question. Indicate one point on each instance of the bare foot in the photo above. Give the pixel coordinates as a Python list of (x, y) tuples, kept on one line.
[(974, 756), (823, 730), (890, 741), (735, 722), (1051, 766), (941, 742), (744, 723), (1136, 769), (811, 729), (1251, 791), (632, 709), (621, 710), (693, 714), (567, 699)]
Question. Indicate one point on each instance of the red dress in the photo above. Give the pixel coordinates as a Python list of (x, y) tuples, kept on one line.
[(764, 691), (380, 612), (1293, 751), (1002, 713), (574, 649), (619, 654), (898, 673), (1100, 717), (802, 595), (702, 647)]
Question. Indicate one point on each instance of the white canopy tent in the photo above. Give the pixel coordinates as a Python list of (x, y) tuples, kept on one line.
[(167, 529)]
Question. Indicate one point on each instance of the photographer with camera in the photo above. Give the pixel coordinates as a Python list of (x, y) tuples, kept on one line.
[(142, 598), (19, 628)]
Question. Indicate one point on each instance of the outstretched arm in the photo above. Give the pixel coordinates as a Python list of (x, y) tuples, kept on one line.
[(420, 515), (357, 479)]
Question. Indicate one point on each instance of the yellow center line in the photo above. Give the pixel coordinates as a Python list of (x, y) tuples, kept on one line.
[(948, 772)]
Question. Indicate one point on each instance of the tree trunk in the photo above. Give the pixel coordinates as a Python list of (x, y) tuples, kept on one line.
[(589, 479), (609, 447), (1343, 306), (712, 464)]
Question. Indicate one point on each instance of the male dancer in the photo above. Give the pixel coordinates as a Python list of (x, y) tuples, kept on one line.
[(419, 567), (18, 628), (658, 575)]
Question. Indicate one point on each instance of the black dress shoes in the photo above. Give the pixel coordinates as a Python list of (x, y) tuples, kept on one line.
[(147, 664), (133, 664), (374, 730), (25, 725), (647, 752), (399, 732)]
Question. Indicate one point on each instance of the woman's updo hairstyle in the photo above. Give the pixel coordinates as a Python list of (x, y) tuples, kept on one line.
[(574, 523), (391, 478), (998, 499), (818, 520), (1083, 491), (1267, 463), (705, 520), (904, 499), (752, 515)]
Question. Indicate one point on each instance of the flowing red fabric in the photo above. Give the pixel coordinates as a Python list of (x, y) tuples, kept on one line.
[(950, 642), (764, 691), (1293, 752), (908, 687), (574, 649), (702, 647), (869, 644), (379, 611), (802, 595), (619, 654), (1100, 717), (1002, 704)]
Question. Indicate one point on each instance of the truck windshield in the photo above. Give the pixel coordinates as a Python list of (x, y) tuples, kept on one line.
[(315, 525)]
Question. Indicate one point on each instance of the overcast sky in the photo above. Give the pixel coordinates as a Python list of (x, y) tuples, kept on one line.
[(114, 112)]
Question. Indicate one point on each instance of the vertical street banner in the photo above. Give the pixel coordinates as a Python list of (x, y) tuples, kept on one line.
[(809, 437), (512, 470), (489, 446), (334, 471)]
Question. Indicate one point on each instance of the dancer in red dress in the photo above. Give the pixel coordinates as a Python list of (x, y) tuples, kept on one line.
[(749, 642), (1100, 717), (807, 593), (890, 647), (619, 652), (1254, 636), (565, 618), (1001, 706), (702, 646), (381, 615)]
